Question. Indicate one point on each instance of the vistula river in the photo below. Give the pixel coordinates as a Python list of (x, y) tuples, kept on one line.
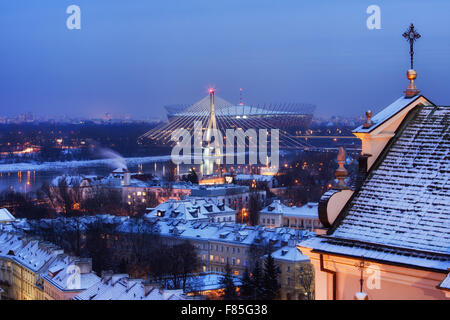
[(28, 177)]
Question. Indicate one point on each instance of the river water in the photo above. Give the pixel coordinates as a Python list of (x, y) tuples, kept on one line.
[(30, 180)]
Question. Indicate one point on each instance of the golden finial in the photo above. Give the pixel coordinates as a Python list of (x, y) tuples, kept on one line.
[(411, 35), (368, 122)]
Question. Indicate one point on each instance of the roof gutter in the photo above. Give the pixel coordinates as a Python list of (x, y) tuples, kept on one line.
[(333, 273)]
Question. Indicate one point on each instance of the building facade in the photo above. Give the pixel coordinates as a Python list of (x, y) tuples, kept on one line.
[(388, 236), (279, 215)]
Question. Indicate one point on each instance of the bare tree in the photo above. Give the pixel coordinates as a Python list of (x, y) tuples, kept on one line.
[(306, 279)]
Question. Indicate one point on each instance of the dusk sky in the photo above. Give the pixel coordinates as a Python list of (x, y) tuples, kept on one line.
[(134, 57)]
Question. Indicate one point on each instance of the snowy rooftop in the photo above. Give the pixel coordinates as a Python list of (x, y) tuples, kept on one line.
[(35, 255), (309, 210), (289, 253), (121, 287), (401, 212), (180, 228), (6, 216), (446, 283), (32, 254), (204, 281), (189, 209), (388, 112), (60, 271)]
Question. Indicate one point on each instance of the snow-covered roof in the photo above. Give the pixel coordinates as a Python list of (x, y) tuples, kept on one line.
[(445, 284), (401, 212), (120, 170), (189, 209), (6, 216), (388, 112), (60, 274), (9, 244), (289, 253), (71, 181), (207, 281), (35, 255), (121, 287), (309, 210), (183, 229)]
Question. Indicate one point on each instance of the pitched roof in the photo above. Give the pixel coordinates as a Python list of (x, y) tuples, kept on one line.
[(308, 210), (60, 275), (401, 212), (6, 216), (445, 284), (121, 287), (289, 253), (190, 209), (388, 112)]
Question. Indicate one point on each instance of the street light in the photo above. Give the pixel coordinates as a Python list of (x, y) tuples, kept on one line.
[(243, 214)]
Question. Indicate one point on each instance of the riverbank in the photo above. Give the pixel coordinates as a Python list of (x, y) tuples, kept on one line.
[(59, 165)]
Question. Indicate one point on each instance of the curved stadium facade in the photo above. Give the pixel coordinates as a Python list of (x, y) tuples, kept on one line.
[(288, 117)]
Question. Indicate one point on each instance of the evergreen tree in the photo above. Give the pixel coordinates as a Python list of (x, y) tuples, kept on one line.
[(257, 282), (271, 285), (254, 206), (191, 176), (229, 289), (247, 288)]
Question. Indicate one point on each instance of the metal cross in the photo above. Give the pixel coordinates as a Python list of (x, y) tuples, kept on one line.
[(411, 35)]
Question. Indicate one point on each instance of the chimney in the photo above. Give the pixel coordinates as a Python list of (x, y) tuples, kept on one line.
[(107, 275), (148, 286), (85, 265), (126, 178), (362, 170)]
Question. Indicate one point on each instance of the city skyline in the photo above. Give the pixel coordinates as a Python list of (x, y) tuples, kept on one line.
[(170, 53)]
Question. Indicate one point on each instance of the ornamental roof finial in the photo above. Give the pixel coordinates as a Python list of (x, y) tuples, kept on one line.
[(411, 35)]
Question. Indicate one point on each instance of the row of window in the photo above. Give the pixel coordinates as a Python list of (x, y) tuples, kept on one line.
[(269, 221), (224, 219), (219, 269), (234, 261)]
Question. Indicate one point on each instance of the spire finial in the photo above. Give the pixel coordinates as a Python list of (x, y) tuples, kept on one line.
[(368, 122), (411, 35), (341, 173)]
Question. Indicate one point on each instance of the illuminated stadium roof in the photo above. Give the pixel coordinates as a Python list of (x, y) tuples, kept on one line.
[(232, 116)]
